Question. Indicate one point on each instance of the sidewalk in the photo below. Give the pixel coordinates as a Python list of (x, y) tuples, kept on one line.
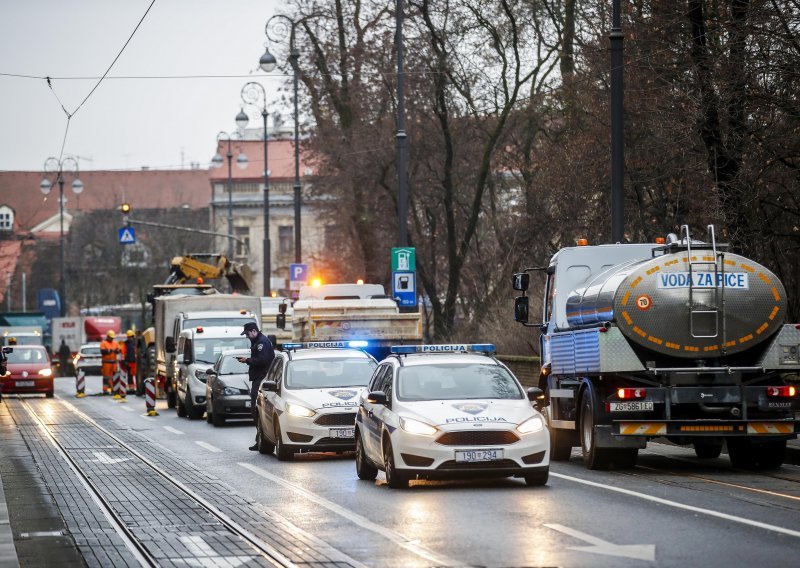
[(8, 553)]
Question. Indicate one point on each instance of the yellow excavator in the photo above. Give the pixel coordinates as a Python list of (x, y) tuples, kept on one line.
[(192, 267)]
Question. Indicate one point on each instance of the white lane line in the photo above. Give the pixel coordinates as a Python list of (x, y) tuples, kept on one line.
[(126, 408), (173, 430), (399, 539), (700, 510), (208, 446)]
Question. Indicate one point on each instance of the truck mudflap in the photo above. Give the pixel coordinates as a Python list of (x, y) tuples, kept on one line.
[(786, 427)]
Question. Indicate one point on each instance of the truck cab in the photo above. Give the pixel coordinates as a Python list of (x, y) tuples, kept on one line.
[(197, 350)]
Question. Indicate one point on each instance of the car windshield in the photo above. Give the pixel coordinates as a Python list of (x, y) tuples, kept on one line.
[(329, 372), (218, 322), (207, 350), (453, 382), (90, 352), (230, 366), (29, 340), (22, 355)]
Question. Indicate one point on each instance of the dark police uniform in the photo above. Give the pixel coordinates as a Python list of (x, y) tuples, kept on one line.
[(261, 356)]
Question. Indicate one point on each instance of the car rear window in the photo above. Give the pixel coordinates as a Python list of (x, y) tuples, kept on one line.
[(90, 351)]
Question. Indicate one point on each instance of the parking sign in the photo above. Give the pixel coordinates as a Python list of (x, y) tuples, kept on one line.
[(298, 276)]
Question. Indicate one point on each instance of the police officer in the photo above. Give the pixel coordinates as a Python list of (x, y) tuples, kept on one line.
[(261, 356)]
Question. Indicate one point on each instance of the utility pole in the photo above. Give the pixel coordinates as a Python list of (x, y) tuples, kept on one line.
[(616, 38)]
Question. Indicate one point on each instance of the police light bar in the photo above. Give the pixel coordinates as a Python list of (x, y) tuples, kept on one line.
[(325, 345), (453, 348)]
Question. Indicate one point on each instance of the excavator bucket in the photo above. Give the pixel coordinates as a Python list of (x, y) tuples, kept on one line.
[(240, 277)]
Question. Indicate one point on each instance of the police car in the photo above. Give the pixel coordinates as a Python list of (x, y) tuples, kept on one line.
[(448, 411), (308, 400)]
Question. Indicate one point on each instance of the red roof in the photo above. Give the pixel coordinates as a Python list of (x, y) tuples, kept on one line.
[(280, 158), (145, 189), (9, 253)]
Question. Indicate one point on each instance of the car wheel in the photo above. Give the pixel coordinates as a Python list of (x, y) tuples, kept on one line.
[(538, 478), (364, 469), (593, 457), (49, 394), (264, 445), (194, 412), (394, 478), (218, 419), (281, 451), (707, 451), (172, 399), (181, 407)]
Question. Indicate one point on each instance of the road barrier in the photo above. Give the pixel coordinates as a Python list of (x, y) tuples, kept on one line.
[(150, 396), (80, 384), (118, 387)]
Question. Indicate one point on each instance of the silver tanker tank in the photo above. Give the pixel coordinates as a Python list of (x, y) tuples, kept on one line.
[(725, 307)]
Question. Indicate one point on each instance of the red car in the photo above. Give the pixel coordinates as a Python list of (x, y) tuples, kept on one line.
[(29, 371)]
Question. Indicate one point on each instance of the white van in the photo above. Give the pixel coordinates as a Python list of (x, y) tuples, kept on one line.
[(197, 351)]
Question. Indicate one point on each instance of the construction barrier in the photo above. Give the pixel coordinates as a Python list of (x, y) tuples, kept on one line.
[(80, 384), (150, 396), (118, 387), (123, 379)]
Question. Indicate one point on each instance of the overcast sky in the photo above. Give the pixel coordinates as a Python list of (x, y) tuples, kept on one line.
[(126, 123)]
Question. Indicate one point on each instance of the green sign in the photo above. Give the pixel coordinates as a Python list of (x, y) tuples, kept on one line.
[(404, 259)]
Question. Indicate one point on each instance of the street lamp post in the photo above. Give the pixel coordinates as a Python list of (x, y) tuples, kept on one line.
[(216, 162), (58, 168), (400, 138), (250, 95), (267, 63)]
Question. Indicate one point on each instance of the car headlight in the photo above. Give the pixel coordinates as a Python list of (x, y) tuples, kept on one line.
[(230, 391), (534, 424), (416, 427), (200, 375), (46, 373), (297, 410)]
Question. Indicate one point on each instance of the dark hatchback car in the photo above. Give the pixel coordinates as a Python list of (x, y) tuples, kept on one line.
[(29, 371), (228, 388)]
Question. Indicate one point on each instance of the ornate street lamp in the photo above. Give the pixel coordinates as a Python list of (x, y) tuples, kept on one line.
[(57, 168), (241, 162)]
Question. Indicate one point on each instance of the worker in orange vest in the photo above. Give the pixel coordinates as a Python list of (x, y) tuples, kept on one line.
[(129, 358), (109, 352)]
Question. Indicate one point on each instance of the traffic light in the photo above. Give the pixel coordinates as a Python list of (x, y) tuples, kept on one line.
[(125, 208)]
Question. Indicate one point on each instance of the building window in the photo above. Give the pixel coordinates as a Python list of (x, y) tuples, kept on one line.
[(6, 219), (285, 240), (243, 244)]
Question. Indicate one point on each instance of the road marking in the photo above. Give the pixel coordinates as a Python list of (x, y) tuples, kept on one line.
[(173, 430), (208, 446), (598, 546), (677, 505), (208, 556), (126, 408), (399, 539), (102, 457)]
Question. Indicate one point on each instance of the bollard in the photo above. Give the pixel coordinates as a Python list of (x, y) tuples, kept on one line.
[(150, 396), (80, 384), (115, 382), (123, 382)]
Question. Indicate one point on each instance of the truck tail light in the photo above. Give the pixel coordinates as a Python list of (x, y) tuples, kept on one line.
[(781, 392), (626, 394)]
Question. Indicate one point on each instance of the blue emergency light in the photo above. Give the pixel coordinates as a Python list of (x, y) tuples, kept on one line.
[(452, 348)]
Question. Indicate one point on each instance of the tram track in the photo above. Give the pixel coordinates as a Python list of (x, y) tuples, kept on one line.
[(137, 547)]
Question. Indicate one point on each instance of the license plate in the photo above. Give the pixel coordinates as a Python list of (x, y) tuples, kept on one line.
[(247, 404), (342, 433), (25, 383), (478, 455), (631, 406)]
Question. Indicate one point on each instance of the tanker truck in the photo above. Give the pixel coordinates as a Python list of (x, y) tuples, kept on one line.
[(681, 339)]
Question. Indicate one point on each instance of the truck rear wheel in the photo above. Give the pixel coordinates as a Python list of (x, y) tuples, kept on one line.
[(560, 440), (707, 450), (593, 457), (747, 454)]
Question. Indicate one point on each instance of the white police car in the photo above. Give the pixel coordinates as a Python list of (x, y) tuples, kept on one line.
[(448, 411), (308, 400)]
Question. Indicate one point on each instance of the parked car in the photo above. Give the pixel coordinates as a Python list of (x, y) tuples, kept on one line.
[(228, 388), (29, 371), (88, 359)]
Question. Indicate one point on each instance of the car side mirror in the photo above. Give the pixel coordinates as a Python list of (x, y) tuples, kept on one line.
[(169, 345), (280, 320), (282, 307), (521, 308), (187, 358), (377, 397), (521, 281), (210, 372), (269, 386), (8, 349), (536, 396)]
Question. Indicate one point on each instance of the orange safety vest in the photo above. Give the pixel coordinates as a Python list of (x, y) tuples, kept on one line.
[(109, 350)]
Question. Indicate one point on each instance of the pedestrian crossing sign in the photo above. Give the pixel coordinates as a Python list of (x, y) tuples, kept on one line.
[(127, 236)]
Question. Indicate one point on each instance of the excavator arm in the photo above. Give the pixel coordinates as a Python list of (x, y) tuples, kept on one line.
[(210, 266)]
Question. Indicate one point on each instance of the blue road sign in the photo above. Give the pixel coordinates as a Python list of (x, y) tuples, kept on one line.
[(298, 276), (404, 287), (127, 236)]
